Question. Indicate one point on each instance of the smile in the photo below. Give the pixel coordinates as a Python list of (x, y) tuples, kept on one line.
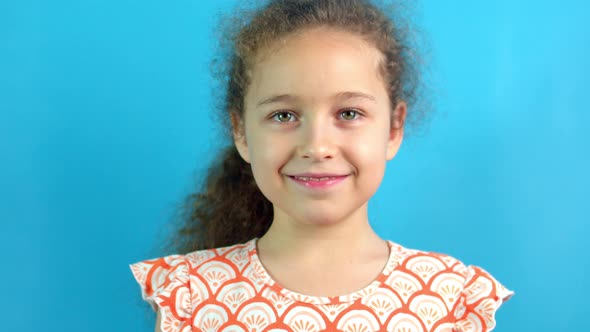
[(306, 178), (318, 183)]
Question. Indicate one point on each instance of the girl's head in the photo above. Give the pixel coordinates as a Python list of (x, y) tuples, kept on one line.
[(317, 103), (313, 86)]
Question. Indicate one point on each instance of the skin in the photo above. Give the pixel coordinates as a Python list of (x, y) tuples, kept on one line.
[(317, 236)]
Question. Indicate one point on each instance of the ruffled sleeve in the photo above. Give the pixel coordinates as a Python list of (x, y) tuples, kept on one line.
[(481, 297), (165, 286)]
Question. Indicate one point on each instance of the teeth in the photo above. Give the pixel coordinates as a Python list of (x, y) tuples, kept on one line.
[(305, 178)]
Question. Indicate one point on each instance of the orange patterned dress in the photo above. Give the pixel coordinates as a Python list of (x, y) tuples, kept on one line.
[(228, 290)]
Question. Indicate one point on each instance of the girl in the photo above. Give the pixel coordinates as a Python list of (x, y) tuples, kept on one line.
[(279, 240)]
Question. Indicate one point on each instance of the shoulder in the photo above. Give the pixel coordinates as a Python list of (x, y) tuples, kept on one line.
[(173, 285), (430, 267), (470, 294), (423, 265), (154, 273), (233, 255)]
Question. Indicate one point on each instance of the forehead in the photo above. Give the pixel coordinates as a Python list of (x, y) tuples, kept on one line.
[(317, 63)]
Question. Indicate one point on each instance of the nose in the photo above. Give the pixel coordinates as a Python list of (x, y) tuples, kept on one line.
[(316, 140)]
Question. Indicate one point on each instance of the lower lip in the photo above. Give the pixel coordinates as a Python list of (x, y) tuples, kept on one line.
[(319, 184)]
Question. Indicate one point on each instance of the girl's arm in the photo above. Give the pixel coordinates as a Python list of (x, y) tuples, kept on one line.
[(158, 322)]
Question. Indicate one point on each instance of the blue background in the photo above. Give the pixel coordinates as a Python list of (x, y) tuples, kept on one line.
[(105, 126)]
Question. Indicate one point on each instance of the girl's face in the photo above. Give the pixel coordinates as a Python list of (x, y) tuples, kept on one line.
[(317, 104)]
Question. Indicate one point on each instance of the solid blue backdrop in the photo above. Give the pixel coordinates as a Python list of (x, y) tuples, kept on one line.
[(105, 127)]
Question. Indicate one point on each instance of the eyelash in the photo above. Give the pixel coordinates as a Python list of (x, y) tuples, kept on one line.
[(357, 112)]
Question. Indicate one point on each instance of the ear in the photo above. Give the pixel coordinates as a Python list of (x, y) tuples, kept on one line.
[(396, 131), (239, 134)]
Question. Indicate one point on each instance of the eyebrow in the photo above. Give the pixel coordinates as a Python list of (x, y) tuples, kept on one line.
[(341, 95)]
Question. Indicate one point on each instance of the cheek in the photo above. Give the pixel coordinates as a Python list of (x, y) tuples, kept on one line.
[(267, 159), (369, 147), (370, 161), (369, 153), (266, 153)]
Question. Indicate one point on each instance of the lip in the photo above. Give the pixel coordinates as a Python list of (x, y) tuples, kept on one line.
[(318, 185), (319, 175)]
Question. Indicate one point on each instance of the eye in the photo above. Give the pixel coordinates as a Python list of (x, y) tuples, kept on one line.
[(282, 116), (349, 114)]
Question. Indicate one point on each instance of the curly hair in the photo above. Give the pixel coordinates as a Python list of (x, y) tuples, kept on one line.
[(228, 208)]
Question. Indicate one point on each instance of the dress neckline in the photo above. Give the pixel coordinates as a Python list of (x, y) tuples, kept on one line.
[(261, 272)]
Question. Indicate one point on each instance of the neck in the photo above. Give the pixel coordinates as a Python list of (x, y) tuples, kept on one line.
[(333, 242)]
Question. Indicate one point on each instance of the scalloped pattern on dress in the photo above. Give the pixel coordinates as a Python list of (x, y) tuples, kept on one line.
[(228, 290)]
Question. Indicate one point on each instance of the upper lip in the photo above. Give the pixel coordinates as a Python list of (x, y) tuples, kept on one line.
[(318, 175)]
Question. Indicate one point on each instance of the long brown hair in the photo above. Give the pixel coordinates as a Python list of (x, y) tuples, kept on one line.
[(228, 208)]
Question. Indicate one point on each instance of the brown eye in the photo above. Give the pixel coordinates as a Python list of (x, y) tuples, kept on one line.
[(349, 115), (282, 116)]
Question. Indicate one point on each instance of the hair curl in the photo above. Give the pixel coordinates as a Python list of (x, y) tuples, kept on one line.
[(229, 208)]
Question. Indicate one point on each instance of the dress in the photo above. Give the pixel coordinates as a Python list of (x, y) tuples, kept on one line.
[(228, 290)]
